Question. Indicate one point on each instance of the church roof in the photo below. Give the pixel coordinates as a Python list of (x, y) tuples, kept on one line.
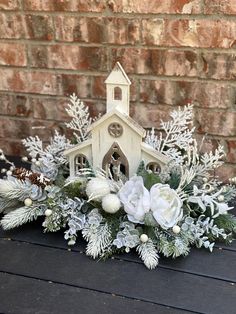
[(118, 76), (127, 120), (78, 146), (154, 153)]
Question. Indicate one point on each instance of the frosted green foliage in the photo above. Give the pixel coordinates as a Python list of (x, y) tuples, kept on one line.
[(75, 219), (81, 121), (170, 245), (20, 216), (127, 237), (148, 253), (14, 189), (98, 234), (51, 157), (7, 205), (177, 134)]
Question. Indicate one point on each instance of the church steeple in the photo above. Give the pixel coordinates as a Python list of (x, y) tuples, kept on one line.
[(117, 86)]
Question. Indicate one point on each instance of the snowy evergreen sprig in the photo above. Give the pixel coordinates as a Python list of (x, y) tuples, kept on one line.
[(81, 120), (148, 253), (177, 134), (20, 216)]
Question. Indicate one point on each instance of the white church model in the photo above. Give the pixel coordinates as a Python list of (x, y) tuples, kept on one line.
[(116, 141)]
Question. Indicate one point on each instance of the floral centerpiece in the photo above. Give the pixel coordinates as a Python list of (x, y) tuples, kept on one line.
[(155, 213)]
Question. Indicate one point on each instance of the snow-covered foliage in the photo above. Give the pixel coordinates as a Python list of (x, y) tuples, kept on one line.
[(156, 214), (177, 134), (81, 120)]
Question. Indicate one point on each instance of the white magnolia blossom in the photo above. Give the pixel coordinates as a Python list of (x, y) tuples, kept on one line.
[(135, 198), (166, 205)]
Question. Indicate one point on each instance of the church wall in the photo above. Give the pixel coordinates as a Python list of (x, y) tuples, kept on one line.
[(129, 143)]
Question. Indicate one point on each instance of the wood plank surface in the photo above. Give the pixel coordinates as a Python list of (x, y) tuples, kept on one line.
[(162, 286), (20, 294), (200, 262)]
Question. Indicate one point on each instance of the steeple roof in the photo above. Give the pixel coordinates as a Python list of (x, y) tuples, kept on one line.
[(118, 76)]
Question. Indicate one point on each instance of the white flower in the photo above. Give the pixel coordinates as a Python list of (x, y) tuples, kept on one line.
[(166, 205), (97, 188), (135, 198)]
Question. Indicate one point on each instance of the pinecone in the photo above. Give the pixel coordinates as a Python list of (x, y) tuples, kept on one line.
[(34, 177)]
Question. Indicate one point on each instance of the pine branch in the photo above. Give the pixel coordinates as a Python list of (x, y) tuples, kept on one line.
[(7, 205), (19, 217), (148, 253), (14, 189), (99, 239)]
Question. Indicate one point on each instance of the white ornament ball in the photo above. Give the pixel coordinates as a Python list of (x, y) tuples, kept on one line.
[(233, 180), (33, 160), (97, 188), (28, 202), (3, 170), (9, 172), (111, 203), (37, 163), (48, 212), (144, 238), (221, 198), (176, 229), (205, 180), (12, 168), (24, 159)]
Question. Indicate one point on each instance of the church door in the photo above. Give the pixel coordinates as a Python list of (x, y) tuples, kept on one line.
[(116, 162)]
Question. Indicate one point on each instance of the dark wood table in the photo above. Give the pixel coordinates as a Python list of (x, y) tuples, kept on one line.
[(40, 274)]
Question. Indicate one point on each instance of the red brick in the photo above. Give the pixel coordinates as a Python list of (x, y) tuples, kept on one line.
[(13, 54), (16, 26), (193, 33), (11, 147), (220, 6), (78, 84), (225, 172), (97, 30), (39, 27), (9, 5), (15, 105), (14, 128), (12, 26), (155, 6), (206, 95), (49, 108), (218, 65), (156, 61), (150, 115), (99, 88), (231, 150), (69, 57), (216, 122), (65, 5), (30, 82)]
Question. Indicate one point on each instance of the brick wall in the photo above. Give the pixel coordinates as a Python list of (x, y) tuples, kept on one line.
[(174, 51)]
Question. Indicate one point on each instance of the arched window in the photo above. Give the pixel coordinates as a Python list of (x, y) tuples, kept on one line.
[(115, 162), (154, 167), (80, 162), (117, 93)]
